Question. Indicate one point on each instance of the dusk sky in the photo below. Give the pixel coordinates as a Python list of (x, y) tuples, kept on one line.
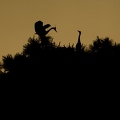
[(93, 17)]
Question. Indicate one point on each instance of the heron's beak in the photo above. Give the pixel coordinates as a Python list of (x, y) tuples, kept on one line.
[(55, 29)]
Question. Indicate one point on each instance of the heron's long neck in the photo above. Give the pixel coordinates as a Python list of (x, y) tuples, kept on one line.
[(79, 38)]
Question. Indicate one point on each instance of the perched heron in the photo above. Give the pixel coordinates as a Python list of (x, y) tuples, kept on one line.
[(41, 30), (78, 45)]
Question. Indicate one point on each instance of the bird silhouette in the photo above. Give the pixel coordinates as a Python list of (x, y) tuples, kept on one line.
[(78, 45), (41, 30)]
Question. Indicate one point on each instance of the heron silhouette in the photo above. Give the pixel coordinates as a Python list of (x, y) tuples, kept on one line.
[(40, 29), (78, 45)]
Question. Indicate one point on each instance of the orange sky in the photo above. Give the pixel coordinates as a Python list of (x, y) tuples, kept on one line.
[(93, 17)]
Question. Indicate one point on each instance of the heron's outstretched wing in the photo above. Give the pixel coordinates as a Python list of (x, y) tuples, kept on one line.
[(46, 26)]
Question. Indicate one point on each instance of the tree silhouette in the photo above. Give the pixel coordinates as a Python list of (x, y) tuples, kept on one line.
[(51, 72), (101, 46), (7, 62), (43, 61)]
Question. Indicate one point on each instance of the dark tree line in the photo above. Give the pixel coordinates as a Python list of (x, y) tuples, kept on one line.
[(47, 76), (43, 61)]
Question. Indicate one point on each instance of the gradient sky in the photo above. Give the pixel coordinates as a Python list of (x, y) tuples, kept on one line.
[(93, 17)]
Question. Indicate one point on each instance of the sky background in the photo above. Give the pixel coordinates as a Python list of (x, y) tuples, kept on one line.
[(93, 17)]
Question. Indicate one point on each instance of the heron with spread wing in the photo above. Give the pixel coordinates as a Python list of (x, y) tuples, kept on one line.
[(41, 30)]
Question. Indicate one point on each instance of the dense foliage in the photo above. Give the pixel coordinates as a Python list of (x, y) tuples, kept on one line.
[(54, 68)]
